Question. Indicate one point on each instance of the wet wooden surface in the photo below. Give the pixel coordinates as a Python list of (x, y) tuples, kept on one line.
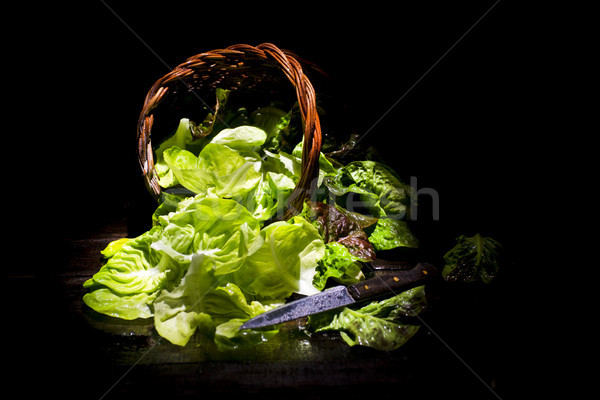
[(75, 352)]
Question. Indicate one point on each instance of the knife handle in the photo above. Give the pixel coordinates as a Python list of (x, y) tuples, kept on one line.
[(393, 282)]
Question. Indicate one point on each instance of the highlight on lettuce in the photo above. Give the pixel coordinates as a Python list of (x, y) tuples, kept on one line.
[(217, 253)]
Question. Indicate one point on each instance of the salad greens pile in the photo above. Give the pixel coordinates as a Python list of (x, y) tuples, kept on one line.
[(216, 254)]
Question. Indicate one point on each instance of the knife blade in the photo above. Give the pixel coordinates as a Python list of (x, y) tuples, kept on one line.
[(391, 283)]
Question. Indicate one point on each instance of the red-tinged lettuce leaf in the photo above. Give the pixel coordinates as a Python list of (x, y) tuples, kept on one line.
[(336, 225)]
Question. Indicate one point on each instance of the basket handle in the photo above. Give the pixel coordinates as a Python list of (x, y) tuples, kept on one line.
[(289, 64)]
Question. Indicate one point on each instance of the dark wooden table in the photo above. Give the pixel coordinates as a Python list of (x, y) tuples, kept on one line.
[(62, 348)]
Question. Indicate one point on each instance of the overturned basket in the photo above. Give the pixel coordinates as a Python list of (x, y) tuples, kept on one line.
[(241, 68)]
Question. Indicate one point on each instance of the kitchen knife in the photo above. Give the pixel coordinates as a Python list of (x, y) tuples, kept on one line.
[(389, 284)]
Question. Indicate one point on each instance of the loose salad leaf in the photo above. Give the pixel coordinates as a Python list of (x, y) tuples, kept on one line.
[(472, 258), (275, 122), (128, 307), (127, 284), (391, 233), (379, 324), (379, 191), (285, 262), (221, 229), (228, 336), (242, 137), (338, 264), (135, 267), (179, 312), (217, 170), (334, 224), (214, 116)]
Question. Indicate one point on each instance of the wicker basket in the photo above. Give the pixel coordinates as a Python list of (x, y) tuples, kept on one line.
[(261, 69)]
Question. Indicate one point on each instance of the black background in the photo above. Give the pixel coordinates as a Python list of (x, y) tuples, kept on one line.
[(454, 115), (456, 100)]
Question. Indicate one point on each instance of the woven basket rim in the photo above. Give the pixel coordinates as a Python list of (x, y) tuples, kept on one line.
[(229, 61)]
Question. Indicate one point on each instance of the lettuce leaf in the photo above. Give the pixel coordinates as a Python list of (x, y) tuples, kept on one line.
[(381, 192), (228, 336), (336, 224), (135, 267), (127, 284), (285, 262), (221, 229), (473, 258), (380, 325), (128, 307), (179, 312), (242, 137), (274, 122), (338, 264), (181, 138), (217, 170), (391, 233)]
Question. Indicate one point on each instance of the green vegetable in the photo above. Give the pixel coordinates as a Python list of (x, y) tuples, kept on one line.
[(336, 224), (380, 325), (218, 170), (242, 137), (113, 247), (284, 263), (127, 284), (391, 233), (214, 259), (275, 123), (378, 189), (472, 258), (339, 264)]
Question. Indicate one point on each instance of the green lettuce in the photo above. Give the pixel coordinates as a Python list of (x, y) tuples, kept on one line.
[(127, 283), (128, 307), (242, 137), (222, 230), (204, 301), (285, 262), (380, 192), (338, 264), (204, 264), (472, 258), (383, 325), (181, 139), (391, 233), (214, 259), (275, 122), (218, 170)]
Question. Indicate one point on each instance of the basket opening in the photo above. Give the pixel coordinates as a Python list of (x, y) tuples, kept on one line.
[(195, 96)]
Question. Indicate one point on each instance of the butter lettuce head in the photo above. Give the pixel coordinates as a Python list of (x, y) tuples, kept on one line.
[(221, 230), (207, 265)]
